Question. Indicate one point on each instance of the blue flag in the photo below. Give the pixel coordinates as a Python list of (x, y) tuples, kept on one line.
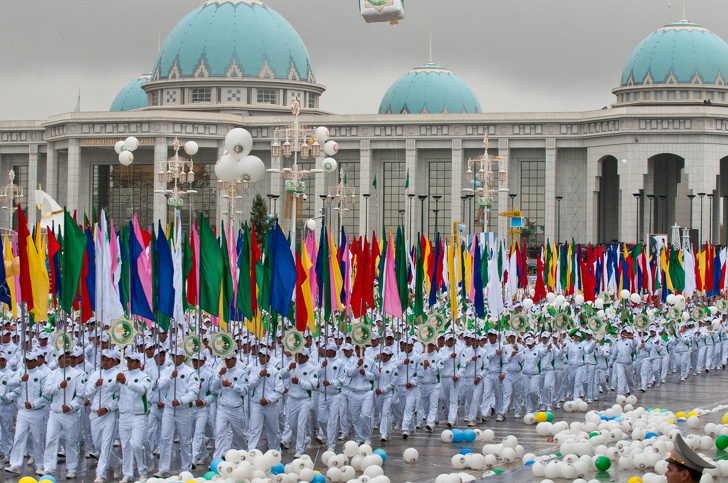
[(433, 277), (478, 284), (4, 288), (139, 304), (91, 275), (165, 274), (283, 281)]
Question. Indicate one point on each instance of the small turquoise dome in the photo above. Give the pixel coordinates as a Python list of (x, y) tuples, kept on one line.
[(131, 96), (233, 39), (429, 89), (678, 53)]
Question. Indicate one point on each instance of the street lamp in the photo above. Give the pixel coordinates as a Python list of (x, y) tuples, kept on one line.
[(341, 194), (702, 195), (638, 197), (13, 195), (470, 209), (513, 196), (366, 211), (710, 218), (299, 139), (436, 210), (401, 217), (691, 197), (173, 171), (410, 196), (323, 210), (662, 197), (649, 225), (558, 219), (481, 182), (422, 199)]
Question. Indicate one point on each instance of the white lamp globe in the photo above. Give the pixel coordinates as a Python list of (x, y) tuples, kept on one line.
[(191, 148), (126, 158), (238, 142), (559, 300), (251, 168), (119, 147), (635, 298), (311, 224), (329, 165), (599, 303), (226, 168), (131, 143), (322, 135), (331, 148), (579, 299)]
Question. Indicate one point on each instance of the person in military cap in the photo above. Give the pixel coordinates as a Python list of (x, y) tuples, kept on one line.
[(684, 464)]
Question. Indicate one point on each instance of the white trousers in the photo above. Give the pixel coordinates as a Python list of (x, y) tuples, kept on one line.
[(180, 420), (229, 429), (299, 419), (328, 416), (102, 433), (29, 423), (132, 432), (68, 425), (383, 403), (624, 377), (199, 423), (264, 417), (361, 408)]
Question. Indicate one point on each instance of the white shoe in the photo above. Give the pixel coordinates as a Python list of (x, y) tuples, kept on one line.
[(126, 479), (161, 474), (368, 441), (117, 443), (31, 461), (330, 448), (70, 475), (13, 469), (383, 439), (297, 455), (156, 452), (142, 478), (99, 480), (40, 472)]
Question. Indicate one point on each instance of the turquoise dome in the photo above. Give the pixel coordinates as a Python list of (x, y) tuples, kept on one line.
[(131, 96), (678, 53), (429, 89), (233, 39)]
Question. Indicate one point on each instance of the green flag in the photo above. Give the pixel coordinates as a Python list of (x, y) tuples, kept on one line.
[(400, 269), (267, 276), (186, 267), (419, 280), (406, 182), (677, 274), (227, 280), (73, 249), (211, 274), (375, 182), (125, 274)]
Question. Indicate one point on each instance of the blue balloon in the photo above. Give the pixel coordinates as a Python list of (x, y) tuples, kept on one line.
[(472, 181), (604, 418), (465, 451), (278, 469), (469, 435), (529, 463), (477, 183), (457, 436), (318, 478), (618, 419), (50, 478), (381, 453), (214, 463), (650, 435)]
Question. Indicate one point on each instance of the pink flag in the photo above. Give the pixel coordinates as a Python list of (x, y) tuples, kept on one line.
[(471, 289), (144, 265), (312, 252), (391, 304), (16, 278)]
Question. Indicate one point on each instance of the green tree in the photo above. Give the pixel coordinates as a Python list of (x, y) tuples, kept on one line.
[(259, 219)]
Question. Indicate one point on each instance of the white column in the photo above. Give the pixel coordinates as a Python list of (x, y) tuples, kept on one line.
[(32, 183), (220, 202), (456, 204), (550, 194), (51, 175), (500, 223), (320, 188), (161, 212), (410, 162), (365, 182), (73, 193), (593, 173)]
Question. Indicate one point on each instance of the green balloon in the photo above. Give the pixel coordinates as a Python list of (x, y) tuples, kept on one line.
[(497, 470), (603, 463), (721, 442), (208, 476), (549, 416)]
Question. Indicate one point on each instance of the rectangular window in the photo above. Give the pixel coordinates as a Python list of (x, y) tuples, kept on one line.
[(201, 96), (532, 196), (394, 197), (440, 182), (154, 98), (350, 214), (267, 96), (311, 101)]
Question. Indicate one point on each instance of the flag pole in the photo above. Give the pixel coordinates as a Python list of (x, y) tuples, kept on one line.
[(25, 366)]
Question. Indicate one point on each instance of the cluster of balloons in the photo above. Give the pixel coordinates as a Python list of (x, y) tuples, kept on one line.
[(237, 161), (124, 150), (321, 136)]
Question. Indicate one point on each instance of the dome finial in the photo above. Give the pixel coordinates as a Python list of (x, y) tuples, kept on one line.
[(683, 5), (430, 41)]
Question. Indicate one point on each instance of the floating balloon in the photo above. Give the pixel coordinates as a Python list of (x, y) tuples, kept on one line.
[(322, 135), (251, 169), (131, 143), (126, 158), (331, 148), (239, 142), (191, 148), (329, 165), (118, 147), (226, 168)]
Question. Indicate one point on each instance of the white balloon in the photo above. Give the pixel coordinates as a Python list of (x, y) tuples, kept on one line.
[(126, 158), (322, 135), (238, 142), (527, 304), (131, 143), (579, 299), (411, 455), (350, 448), (599, 303), (251, 168), (191, 148), (331, 148), (119, 147), (311, 224), (635, 298), (329, 165), (226, 169), (559, 300)]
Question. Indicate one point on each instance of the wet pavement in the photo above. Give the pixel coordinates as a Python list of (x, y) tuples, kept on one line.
[(705, 391)]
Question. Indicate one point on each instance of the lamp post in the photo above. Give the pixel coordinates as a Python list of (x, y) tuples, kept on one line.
[(513, 196), (410, 196), (436, 210), (401, 217), (341, 194), (470, 209), (558, 219), (323, 210), (366, 211), (273, 197), (702, 195), (422, 199), (662, 197), (465, 205), (710, 217), (13, 195), (482, 181), (297, 137), (691, 197), (173, 171), (649, 225), (638, 197)]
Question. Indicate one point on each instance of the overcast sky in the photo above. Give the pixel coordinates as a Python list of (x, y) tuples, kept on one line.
[(517, 55)]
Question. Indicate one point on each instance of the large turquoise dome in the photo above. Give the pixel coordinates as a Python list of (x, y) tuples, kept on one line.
[(131, 96), (678, 53), (429, 89), (233, 39)]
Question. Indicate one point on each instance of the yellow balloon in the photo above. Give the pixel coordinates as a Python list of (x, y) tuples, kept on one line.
[(682, 415), (27, 479), (657, 410), (541, 417), (671, 421), (192, 481), (724, 420), (692, 413), (635, 479)]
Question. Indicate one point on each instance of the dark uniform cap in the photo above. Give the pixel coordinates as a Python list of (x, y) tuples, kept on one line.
[(685, 456)]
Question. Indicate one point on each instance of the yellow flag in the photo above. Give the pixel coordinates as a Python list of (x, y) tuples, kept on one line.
[(306, 289), (453, 282), (10, 280), (38, 278)]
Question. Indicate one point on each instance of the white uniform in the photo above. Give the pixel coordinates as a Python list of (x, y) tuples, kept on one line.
[(361, 396), (229, 420), (103, 427), (200, 414), (133, 410), (329, 399), (29, 422), (300, 397), (270, 388), (186, 391)]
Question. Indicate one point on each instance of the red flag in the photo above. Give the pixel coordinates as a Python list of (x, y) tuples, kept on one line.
[(588, 284), (361, 279), (26, 289), (301, 309), (86, 310), (539, 290)]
